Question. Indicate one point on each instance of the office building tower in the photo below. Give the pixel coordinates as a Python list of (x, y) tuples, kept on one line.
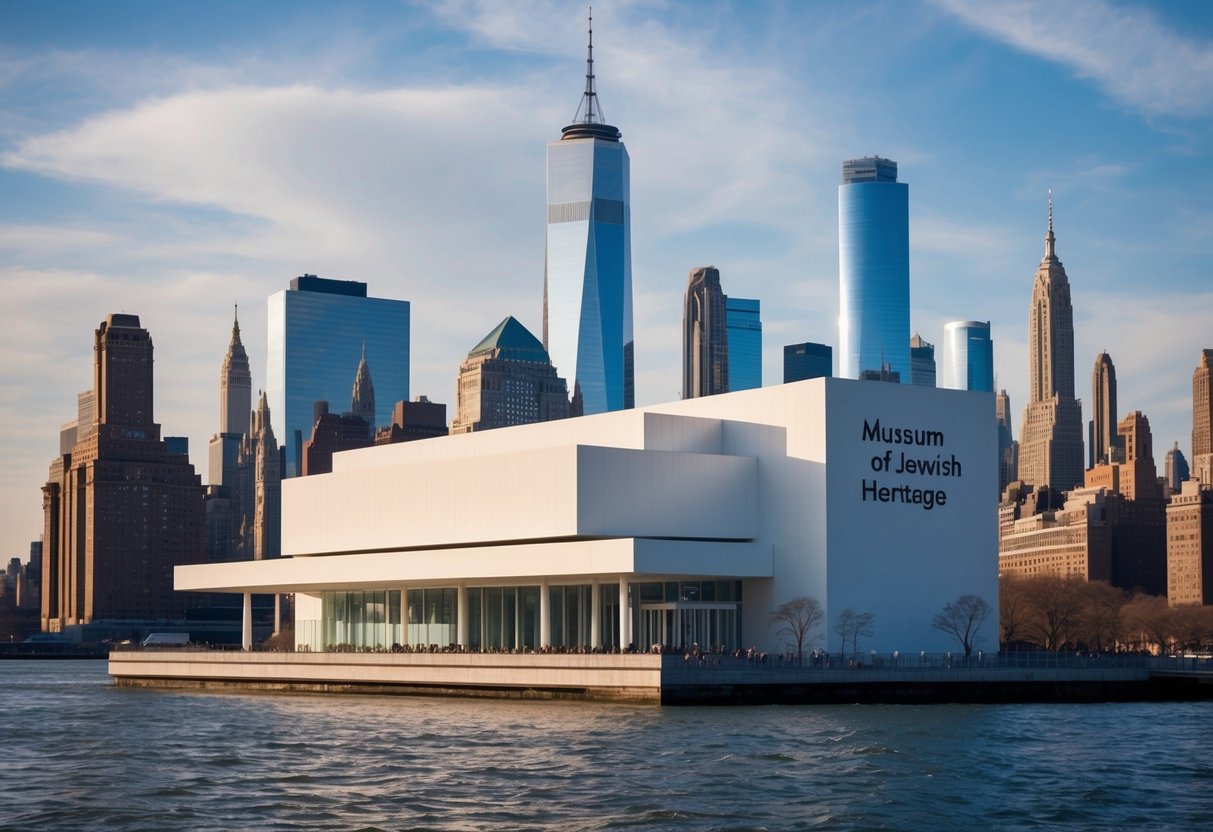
[(418, 419), (1050, 441), (1008, 448), (807, 360), (1202, 420), (1190, 545), (743, 320), (235, 406), (261, 464), (362, 399), (587, 282), (1175, 470), (922, 362), (873, 270), (508, 379), (705, 346), (331, 433), (316, 331), (1102, 438), (120, 510), (968, 356)]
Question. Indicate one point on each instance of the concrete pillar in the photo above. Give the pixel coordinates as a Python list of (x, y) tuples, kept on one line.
[(246, 630), (595, 613), (404, 615), (625, 614), (461, 614), (277, 613), (545, 615)]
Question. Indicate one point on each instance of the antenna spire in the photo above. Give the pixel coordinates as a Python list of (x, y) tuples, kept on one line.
[(1049, 239), (589, 99)]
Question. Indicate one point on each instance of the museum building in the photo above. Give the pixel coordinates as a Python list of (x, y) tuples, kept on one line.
[(676, 524)]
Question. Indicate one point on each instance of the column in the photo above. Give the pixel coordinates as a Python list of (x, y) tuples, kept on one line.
[(461, 614), (246, 630), (545, 615), (277, 613), (595, 614), (625, 614), (404, 615)]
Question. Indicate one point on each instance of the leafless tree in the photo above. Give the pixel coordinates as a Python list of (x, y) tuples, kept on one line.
[(851, 625), (962, 619), (797, 619)]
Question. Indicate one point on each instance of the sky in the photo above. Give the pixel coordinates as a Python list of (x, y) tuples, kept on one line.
[(173, 159)]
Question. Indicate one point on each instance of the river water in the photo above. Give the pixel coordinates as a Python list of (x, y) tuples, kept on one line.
[(78, 753)]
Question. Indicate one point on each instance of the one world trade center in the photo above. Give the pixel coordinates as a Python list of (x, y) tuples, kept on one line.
[(587, 286)]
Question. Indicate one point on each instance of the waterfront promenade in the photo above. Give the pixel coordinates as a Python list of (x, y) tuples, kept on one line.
[(674, 679)]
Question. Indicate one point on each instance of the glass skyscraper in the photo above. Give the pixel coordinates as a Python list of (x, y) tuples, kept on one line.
[(587, 285), (807, 360), (315, 336), (744, 325), (968, 356), (873, 269)]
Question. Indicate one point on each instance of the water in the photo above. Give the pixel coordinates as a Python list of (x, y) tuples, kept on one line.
[(78, 753)]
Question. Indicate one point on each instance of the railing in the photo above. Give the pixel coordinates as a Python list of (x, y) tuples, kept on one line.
[(935, 662)]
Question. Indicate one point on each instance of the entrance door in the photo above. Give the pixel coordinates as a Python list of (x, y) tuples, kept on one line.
[(680, 625)]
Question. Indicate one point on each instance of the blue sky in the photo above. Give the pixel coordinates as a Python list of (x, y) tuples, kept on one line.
[(171, 159)]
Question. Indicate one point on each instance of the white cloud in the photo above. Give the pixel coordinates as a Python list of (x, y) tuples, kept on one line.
[(1126, 50)]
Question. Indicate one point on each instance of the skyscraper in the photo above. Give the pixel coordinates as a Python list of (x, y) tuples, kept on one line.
[(1202, 420), (1175, 469), (705, 346), (743, 320), (508, 379), (873, 270), (235, 407), (807, 360), (922, 362), (120, 510), (1050, 441), (587, 282), (1101, 431), (1008, 448), (968, 356), (316, 331), (362, 399)]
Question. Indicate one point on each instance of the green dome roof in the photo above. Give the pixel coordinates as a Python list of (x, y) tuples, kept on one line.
[(515, 342)]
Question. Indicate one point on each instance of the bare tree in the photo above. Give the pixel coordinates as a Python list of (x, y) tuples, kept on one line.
[(851, 625), (1014, 610), (797, 619), (962, 620)]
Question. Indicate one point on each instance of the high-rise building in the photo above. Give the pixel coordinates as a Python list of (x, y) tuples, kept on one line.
[(1190, 545), (968, 356), (873, 269), (508, 379), (1102, 438), (1050, 441), (705, 346), (331, 432), (922, 362), (362, 399), (743, 320), (587, 281), (418, 419), (807, 360), (235, 407), (1175, 469), (120, 510), (316, 331), (1008, 448), (1202, 420)]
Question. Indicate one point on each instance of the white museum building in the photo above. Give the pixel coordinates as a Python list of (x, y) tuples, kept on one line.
[(676, 524)]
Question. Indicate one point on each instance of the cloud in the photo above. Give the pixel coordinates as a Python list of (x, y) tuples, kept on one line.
[(1127, 51)]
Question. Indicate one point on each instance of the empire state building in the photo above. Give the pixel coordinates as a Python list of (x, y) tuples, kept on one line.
[(1050, 445)]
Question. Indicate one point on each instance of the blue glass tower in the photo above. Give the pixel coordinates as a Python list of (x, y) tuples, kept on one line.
[(968, 356), (587, 282), (873, 269), (807, 360), (315, 336), (744, 324)]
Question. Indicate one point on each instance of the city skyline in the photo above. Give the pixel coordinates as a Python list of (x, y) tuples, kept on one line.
[(384, 110)]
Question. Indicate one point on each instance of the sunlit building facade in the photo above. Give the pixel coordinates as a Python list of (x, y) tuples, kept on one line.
[(968, 356), (873, 269), (316, 334)]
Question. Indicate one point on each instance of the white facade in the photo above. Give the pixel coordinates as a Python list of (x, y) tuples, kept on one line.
[(867, 496)]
